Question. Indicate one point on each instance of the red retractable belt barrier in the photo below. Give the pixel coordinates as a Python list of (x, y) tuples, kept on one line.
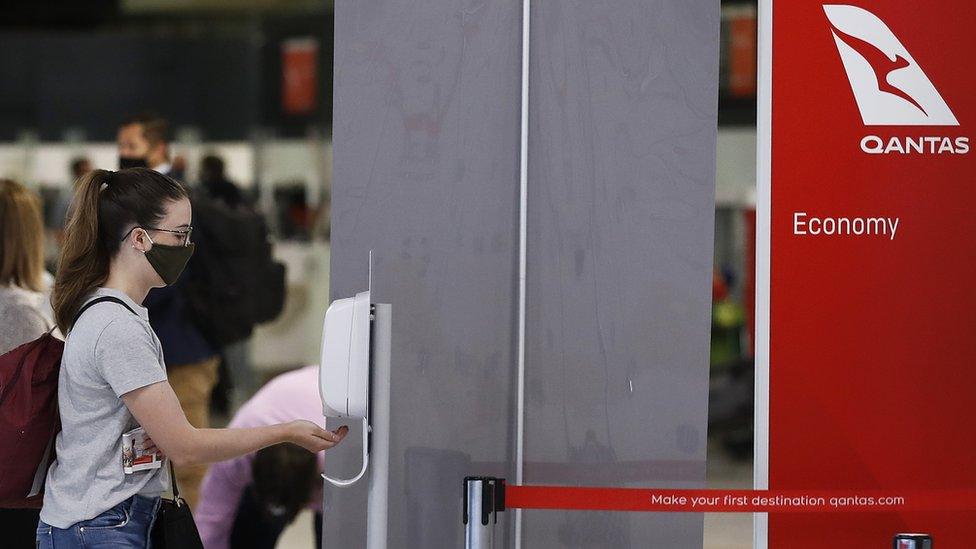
[(734, 501)]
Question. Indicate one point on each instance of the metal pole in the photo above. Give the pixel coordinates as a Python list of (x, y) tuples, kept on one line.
[(479, 520), (379, 475), (523, 237), (760, 474)]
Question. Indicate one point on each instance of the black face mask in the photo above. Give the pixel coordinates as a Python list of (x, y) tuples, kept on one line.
[(133, 162), (169, 261)]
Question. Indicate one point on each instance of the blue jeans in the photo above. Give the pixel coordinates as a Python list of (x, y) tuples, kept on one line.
[(126, 526)]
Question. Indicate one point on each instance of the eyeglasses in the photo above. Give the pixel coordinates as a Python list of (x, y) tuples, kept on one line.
[(183, 234)]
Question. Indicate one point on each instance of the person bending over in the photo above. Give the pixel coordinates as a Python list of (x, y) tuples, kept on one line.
[(245, 503)]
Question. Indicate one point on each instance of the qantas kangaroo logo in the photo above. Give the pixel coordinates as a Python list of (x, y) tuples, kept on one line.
[(889, 86)]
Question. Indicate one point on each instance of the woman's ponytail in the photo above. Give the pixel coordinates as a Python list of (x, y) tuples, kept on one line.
[(84, 262)]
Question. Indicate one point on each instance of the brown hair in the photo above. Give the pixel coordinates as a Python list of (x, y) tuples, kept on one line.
[(155, 128), (21, 237), (284, 475), (106, 205)]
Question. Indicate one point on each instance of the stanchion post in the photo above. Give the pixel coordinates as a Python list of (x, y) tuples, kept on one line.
[(484, 498)]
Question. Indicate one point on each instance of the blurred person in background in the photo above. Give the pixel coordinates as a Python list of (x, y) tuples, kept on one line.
[(229, 394), (214, 181), (178, 169), (246, 503), (143, 142), (23, 291), (24, 315), (190, 359), (78, 167)]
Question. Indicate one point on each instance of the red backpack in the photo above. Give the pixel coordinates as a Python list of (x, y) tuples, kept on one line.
[(29, 417)]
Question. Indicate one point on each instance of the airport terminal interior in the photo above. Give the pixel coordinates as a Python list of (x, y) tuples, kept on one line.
[(245, 90)]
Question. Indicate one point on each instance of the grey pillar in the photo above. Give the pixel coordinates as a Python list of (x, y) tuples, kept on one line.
[(426, 175), (623, 109), (621, 187)]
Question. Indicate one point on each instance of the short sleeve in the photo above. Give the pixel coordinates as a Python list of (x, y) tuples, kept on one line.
[(126, 356)]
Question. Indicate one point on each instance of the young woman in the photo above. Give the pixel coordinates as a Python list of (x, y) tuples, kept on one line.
[(130, 232), (23, 314)]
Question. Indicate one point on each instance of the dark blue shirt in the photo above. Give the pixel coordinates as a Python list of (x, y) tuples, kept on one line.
[(169, 316)]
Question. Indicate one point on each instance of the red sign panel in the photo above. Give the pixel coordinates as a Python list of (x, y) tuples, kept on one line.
[(299, 76), (872, 263)]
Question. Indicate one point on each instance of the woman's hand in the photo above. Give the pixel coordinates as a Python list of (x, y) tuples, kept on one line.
[(312, 437)]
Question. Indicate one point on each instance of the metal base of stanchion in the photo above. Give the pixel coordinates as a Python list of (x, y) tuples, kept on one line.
[(912, 541), (484, 498)]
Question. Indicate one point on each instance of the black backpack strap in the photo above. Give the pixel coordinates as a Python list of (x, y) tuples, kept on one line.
[(172, 481), (96, 301)]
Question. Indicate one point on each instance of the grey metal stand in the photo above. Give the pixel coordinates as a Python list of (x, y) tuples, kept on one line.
[(484, 497), (379, 437)]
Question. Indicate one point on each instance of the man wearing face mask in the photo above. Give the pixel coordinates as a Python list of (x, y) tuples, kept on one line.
[(142, 141), (191, 361)]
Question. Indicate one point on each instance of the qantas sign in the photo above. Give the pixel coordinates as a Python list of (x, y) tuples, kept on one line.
[(889, 86)]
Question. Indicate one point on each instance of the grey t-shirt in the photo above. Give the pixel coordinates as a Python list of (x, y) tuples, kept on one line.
[(108, 353)]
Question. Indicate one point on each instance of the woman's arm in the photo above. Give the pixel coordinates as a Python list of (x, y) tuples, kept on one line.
[(157, 409)]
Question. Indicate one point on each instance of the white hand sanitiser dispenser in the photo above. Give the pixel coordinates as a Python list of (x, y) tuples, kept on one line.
[(354, 379), (344, 371), (354, 382)]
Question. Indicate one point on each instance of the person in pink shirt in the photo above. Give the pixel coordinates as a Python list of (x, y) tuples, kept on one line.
[(248, 501)]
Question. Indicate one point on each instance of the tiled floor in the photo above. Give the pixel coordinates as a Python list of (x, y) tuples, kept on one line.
[(728, 530), (299, 534)]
